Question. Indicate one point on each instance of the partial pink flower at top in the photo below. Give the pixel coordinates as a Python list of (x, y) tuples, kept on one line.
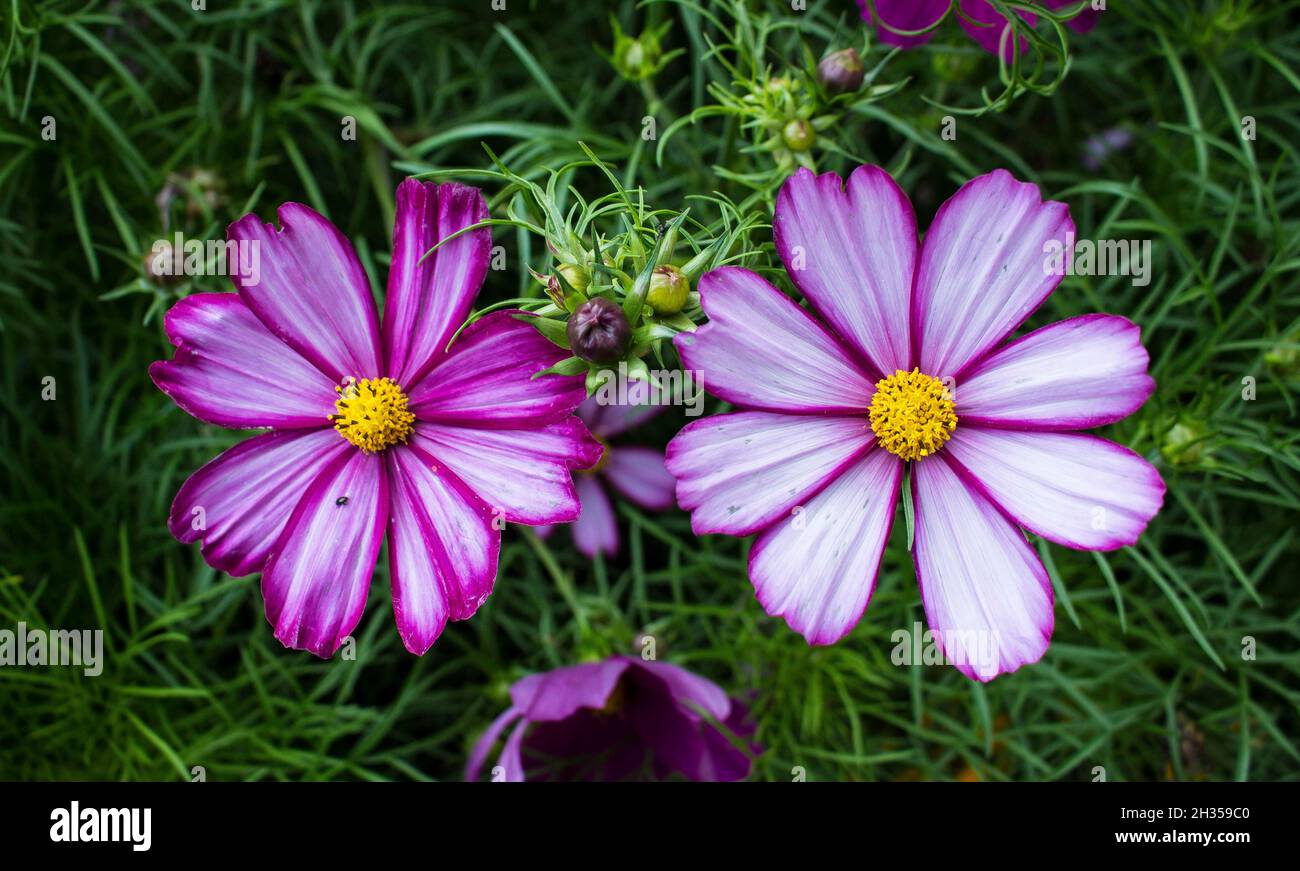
[(978, 17), (637, 473), (372, 429), (907, 371), (619, 719)]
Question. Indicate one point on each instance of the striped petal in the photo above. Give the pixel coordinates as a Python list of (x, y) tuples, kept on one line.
[(851, 250), (986, 594), (1074, 374), (238, 503), (316, 581), (983, 269), (817, 569), (429, 295), (1077, 490), (229, 369), (761, 351), (738, 473), (442, 547), (311, 291)]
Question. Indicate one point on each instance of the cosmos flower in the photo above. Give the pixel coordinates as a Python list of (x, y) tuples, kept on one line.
[(637, 473), (619, 719), (371, 429), (978, 17), (907, 372)]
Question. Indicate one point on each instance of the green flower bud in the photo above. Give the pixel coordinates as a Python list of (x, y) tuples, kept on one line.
[(1185, 444), (798, 135), (669, 288), (598, 331), (841, 71), (636, 58), (579, 279)]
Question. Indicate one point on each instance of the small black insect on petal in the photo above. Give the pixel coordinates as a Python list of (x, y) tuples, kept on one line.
[(342, 500)]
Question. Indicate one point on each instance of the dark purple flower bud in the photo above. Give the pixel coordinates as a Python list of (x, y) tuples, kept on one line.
[(598, 331), (841, 71)]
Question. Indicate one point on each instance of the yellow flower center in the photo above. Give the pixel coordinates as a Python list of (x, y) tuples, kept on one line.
[(372, 413), (912, 414)]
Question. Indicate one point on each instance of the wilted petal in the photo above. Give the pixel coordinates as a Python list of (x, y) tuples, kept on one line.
[(596, 529), (640, 475)]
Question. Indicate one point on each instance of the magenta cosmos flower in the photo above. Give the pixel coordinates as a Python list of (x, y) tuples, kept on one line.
[(907, 368), (620, 719), (371, 429), (978, 18), (637, 473)]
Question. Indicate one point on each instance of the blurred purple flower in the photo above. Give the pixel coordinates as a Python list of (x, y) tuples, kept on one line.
[(895, 15), (637, 473), (619, 719)]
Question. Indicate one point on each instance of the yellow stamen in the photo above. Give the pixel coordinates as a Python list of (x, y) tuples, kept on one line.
[(372, 413), (912, 414)]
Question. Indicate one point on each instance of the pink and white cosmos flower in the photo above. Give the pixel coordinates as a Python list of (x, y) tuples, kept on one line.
[(907, 366), (396, 429)]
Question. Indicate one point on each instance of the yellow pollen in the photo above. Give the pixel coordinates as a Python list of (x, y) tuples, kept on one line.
[(372, 413), (912, 414)]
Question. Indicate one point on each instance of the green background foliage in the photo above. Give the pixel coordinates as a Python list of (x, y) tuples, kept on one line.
[(238, 108)]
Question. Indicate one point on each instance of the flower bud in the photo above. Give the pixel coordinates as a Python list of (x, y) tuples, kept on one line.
[(579, 279), (598, 331), (798, 135), (637, 58), (841, 71), (669, 288)]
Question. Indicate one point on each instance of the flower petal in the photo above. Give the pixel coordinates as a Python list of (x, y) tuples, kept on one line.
[(442, 547), (904, 15), (487, 378), (986, 594), (818, 568), (607, 419), (738, 473), (689, 687), (311, 291), (851, 251), (549, 696), (315, 582), (1077, 490), (488, 740), (596, 529), (991, 27), (229, 369), (430, 296), (524, 475), (640, 475), (983, 269), (240, 501), (1074, 374), (762, 351)]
